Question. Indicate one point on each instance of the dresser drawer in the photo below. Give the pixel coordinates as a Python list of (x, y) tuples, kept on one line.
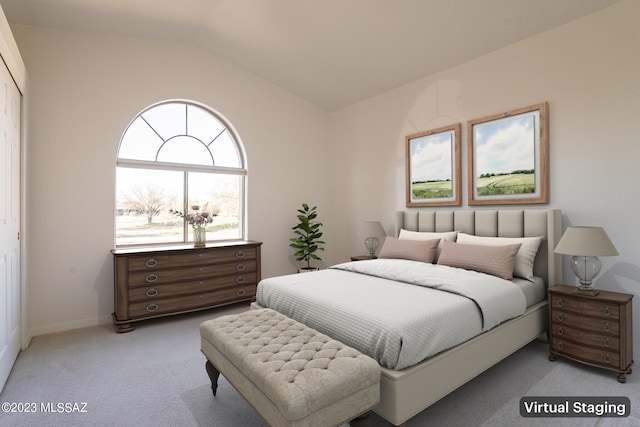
[(154, 292), (605, 326), (585, 307), (605, 342), (143, 278), (594, 355), (190, 302), (195, 257)]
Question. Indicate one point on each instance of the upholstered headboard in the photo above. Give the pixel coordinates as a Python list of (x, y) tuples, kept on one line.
[(498, 223)]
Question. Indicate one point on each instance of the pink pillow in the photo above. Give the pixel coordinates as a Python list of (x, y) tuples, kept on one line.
[(494, 260), (416, 250)]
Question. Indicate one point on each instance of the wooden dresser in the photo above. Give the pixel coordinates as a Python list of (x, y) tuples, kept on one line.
[(593, 330), (156, 282)]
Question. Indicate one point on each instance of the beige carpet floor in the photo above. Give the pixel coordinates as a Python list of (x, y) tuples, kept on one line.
[(155, 376)]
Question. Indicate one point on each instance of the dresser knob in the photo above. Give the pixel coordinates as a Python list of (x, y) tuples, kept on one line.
[(240, 254), (607, 311), (560, 331), (151, 262), (151, 292), (560, 317), (607, 327), (152, 307), (151, 278), (607, 358), (607, 342), (240, 292), (559, 302), (240, 279), (240, 267), (560, 345)]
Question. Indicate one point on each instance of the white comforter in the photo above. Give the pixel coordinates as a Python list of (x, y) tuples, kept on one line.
[(394, 310)]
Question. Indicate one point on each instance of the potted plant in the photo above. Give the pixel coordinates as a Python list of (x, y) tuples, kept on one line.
[(307, 243)]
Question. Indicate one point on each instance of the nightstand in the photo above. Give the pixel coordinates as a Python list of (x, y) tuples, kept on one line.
[(594, 330), (362, 257)]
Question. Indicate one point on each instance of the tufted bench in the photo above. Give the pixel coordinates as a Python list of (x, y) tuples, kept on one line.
[(292, 375)]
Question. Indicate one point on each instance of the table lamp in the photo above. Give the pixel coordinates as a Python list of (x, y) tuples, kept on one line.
[(372, 230), (585, 245)]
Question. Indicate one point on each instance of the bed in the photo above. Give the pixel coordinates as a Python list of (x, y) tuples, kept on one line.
[(414, 376)]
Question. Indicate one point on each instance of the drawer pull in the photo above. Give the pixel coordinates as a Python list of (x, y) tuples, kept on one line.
[(560, 331), (240, 254), (560, 317), (152, 307), (151, 292), (240, 292), (151, 278), (607, 342), (240, 267), (560, 345), (240, 279), (151, 262), (607, 311), (607, 327), (559, 302), (607, 358)]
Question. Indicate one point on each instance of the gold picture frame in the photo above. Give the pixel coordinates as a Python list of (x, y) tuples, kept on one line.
[(508, 157), (433, 167)]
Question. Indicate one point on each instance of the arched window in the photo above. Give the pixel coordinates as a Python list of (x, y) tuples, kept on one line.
[(175, 156)]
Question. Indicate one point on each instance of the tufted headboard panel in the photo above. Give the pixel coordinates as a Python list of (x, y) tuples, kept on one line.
[(497, 223)]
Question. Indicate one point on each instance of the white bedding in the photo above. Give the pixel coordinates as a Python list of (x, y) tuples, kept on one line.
[(391, 309)]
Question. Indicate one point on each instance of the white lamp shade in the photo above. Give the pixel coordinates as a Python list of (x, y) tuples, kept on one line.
[(585, 241), (372, 229)]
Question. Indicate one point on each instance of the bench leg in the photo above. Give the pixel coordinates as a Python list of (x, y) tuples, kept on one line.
[(363, 420), (213, 376)]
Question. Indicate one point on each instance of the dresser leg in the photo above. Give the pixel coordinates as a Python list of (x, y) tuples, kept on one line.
[(213, 376), (622, 378), (125, 327), (552, 357)]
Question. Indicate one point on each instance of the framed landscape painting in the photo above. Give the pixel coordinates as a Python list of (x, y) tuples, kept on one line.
[(433, 167), (508, 159)]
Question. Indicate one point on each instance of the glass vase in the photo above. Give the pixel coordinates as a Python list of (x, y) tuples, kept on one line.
[(199, 237)]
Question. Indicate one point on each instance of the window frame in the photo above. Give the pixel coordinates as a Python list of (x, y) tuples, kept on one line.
[(241, 172)]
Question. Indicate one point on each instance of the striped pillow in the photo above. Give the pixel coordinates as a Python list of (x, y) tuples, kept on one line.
[(416, 250), (494, 260)]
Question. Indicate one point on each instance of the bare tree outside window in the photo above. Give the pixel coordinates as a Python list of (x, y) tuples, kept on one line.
[(149, 200)]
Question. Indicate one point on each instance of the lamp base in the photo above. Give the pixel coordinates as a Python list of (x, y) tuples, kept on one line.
[(590, 292)]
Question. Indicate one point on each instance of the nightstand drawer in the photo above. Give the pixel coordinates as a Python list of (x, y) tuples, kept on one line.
[(593, 355), (585, 307), (592, 329), (604, 326), (605, 342)]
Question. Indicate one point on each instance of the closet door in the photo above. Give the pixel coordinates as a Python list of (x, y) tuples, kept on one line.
[(9, 223)]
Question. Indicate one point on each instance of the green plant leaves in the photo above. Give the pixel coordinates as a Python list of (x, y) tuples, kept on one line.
[(308, 234)]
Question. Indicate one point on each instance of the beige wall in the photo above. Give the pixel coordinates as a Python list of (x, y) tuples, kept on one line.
[(85, 88), (588, 72)]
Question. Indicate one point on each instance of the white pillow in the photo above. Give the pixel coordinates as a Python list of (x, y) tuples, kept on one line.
[(429, 235), (523, 266)]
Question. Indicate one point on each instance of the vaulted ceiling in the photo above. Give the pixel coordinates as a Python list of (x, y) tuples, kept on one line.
[(332, 52)]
